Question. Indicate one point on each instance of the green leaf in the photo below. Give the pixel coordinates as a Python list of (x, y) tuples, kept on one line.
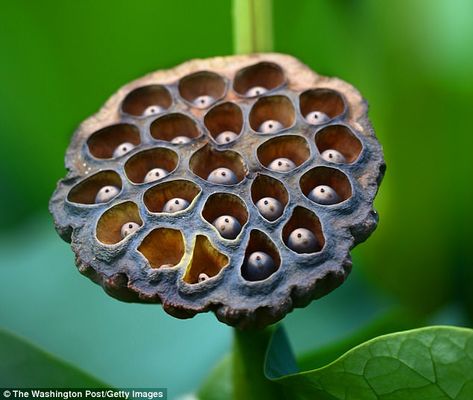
[(426, 363), (396, 320), (218, 385), (25, 365)]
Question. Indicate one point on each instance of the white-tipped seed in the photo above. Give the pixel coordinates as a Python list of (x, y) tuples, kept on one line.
[(181, 140), (226, 137), (175, 204), (155, 174), (106, 193), (129, 228), (255, 91), (282, 164), (202, 277), (269, 208), (317, 118), (324, 194), (270, 126), (228, 227), (152, 110), (334, 156), (302, 240), (122, 149), (223, 176), (259, 266), (203, 101)]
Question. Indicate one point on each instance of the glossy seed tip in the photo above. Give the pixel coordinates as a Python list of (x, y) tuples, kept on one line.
[(223, 176), (175, 204), (324, 194)]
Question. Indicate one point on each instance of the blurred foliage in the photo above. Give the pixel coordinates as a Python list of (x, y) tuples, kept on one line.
[(412, 60)]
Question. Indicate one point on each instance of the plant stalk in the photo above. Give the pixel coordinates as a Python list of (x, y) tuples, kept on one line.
[(252, 26), (249, 352)]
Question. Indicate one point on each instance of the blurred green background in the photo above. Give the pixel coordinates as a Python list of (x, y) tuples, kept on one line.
[(60, 61)]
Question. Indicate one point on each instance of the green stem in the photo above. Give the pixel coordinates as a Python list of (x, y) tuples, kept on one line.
[(252, 26), (249, 351)]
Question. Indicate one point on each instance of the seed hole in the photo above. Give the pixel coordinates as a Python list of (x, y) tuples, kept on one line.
[(111, 222), (206, 259), (207, 159), (172, 126), (202, 89), (326, 176), (163, 247), (140, 101), (265, 75), (265, 188), (86, 191), (103, 143), (219, 204), (272, 108), (138, 166), (156, 197), (327, 101), (341, 139), (226, 117), (291, 147), (305, 219), (262, 245)]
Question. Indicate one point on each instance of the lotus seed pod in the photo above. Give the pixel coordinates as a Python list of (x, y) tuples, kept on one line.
[(152, 110), (270, 208), (324, 194), (259, 266), (282, 164), (226, 137), (317, 118), (181, 140), (270, 126), (106, 194), (203, 101), (227, 226), (266, 100), (256, 91), (123, 149), (223, 176), (302, 240), (128, 228), (176, 204), (333, 156), (155, 174)]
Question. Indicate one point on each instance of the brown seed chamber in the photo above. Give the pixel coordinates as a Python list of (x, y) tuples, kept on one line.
[(171, 255)]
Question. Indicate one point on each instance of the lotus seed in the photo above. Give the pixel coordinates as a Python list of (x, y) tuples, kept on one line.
[(302, 240), (106, 193), (255, 91), (152, 110), (269, 208), (223, 176), (181, 140), (128, 228), (155, 174), (175, 204), (317, 118), (333, 156), (122, 149), (324, 194), (259, 266), (226, 137), (228, 227), (282, 164), (203, 101), (270, 126), (202, 277)]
